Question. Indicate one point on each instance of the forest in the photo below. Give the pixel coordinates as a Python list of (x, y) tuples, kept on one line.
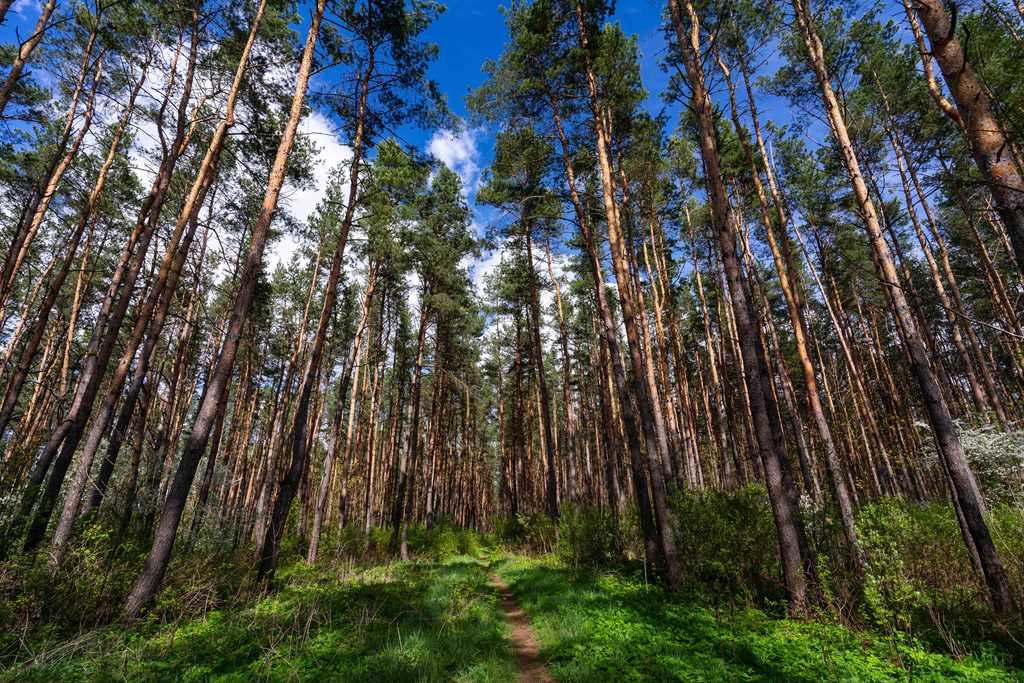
[(560, 340)]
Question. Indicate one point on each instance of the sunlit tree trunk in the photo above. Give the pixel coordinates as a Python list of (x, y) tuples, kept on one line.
[(609, 336), (351, 365), (783, 267), (947, 440), (26, 49), (163, 542), (993, 151), (542, 382), (657, 447), (796, 564), (268, 546)]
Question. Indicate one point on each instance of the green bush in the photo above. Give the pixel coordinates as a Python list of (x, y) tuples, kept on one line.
[(38, 611), (441, 542), (919, 578), (890, 592), (586, 536), (727, 543), (535, 532), (918, 582), (507, 530)]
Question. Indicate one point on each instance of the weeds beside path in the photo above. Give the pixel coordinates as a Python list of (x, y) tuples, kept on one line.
[(417, 621), (601, 626)]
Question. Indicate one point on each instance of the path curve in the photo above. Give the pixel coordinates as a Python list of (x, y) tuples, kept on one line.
[(524, 641)]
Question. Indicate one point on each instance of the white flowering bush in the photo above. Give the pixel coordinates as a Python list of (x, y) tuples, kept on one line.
[(997, 458)]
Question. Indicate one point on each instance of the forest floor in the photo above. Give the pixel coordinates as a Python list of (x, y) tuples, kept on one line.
[(459, 619)]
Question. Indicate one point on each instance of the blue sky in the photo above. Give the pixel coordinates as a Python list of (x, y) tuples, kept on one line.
[(471, 32), (468, 33)]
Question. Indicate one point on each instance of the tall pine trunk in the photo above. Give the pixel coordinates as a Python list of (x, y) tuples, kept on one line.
[(163, 542), (797, 567), (657, 453), (992, 149), (947, 441)]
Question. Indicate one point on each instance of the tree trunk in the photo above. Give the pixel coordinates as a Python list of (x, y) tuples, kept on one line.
[(108, 320), (656, 447), (286, 489), (405, 467), (163, 542), (947, 440), (609, 336), (542, 382), (25, 51), (351, 363), (26, 232), (567, 397), (797, 568), (992, 150), (837, 478)]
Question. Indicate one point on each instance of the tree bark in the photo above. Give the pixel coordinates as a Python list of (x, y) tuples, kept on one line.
[(837, 478), (65, 154), (542, 382), (797, 567), (267, 561), (25, 51), (656, 447), (992, 150), (609, 336), (351, 363)]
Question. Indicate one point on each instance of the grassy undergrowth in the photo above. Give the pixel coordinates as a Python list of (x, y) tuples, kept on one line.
[(600, 626), (440, 621), (415, 621)]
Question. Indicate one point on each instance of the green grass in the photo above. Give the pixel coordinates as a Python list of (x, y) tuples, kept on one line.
[(397, 622), (441, 621), (603, 626)]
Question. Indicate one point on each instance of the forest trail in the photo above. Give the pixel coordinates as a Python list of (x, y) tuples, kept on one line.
[(436, 620), (524, 640)]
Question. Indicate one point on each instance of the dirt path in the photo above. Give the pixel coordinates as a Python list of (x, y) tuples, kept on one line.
[(524, 641)]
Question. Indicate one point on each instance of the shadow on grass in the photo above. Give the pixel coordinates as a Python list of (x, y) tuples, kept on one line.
[(405, 622)]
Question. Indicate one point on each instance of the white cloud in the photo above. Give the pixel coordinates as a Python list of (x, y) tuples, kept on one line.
[(302, 201), (484, 266), (458, 151), (26, 9), (330, 153)]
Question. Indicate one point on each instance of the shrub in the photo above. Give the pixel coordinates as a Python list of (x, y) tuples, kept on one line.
[(38, 612), (919, 579), (727, 543), (890, 592), (442, 541), (996, 457), (507, 530), (535, 532), (586, 536)]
